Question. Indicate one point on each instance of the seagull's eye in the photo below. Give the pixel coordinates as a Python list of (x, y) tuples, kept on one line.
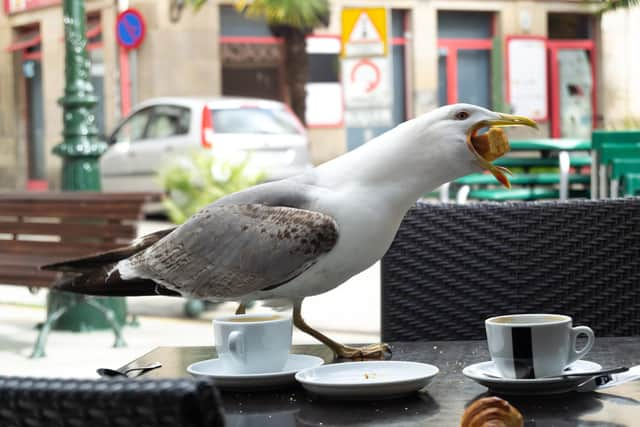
[(462, 115)]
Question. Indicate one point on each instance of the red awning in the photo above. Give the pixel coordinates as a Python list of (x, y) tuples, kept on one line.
[(94, 31), (24, 44)]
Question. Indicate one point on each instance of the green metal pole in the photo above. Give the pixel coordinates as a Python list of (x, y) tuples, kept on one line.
[(80, 151)]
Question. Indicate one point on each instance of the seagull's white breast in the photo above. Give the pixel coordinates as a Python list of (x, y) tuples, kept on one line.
[(366, 230)]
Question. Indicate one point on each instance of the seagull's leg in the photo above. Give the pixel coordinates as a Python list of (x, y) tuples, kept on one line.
[(242, 308), (374, 351)]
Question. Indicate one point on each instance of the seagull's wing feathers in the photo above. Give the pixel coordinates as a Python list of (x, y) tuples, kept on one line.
[(232, 250)]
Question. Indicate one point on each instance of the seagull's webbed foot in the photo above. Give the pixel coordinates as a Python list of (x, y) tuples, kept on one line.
[(374, 351)]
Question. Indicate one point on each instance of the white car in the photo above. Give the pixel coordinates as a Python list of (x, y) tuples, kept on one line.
[(161, 130)]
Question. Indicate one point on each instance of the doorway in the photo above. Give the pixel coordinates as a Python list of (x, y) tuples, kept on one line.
[(464, 57), (28, 61)]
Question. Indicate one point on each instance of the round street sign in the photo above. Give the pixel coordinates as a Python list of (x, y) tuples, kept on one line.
[(367, 74), (130, 29)]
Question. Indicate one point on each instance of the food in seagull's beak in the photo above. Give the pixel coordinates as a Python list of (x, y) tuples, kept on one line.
[(494, 143)]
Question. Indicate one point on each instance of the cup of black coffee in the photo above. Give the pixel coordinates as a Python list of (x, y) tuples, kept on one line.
[(535, 345)]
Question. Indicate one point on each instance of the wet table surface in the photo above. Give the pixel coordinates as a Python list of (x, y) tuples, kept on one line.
[(440, 404)]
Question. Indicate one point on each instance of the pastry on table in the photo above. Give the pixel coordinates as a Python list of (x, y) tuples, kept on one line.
[(491, 412)]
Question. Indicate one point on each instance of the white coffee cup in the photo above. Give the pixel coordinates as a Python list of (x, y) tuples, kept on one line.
[(534, 345), (253, 343)]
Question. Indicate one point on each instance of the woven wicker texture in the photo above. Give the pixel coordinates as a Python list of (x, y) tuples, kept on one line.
[(35, 402), (452, 266)]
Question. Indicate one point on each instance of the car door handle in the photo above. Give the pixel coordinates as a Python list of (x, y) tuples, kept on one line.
[(168, 148), (131, 153)]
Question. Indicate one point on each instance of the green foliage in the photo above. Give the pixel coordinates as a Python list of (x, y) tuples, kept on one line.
[(195, 181), (301, 14), (196, 4), (618, 4)]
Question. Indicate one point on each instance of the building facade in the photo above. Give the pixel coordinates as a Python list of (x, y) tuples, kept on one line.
[(439, 52)]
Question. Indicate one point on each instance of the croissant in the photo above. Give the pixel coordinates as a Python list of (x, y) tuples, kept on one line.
[(491, 412), (492, 144)]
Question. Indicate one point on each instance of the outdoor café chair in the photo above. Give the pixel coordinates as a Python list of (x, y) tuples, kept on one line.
[(36, 402), (452, 266)]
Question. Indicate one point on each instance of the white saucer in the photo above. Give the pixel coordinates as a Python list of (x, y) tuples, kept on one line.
[(212, 368), (537, 386), (367, 380)]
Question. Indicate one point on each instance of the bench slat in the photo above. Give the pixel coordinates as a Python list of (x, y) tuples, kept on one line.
[(71, 210), (29, 259), (70, 249), (65, 197), (521, 179), (575, 161), (68, 230), (27, 276)]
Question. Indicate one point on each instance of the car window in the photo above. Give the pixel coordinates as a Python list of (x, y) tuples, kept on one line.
[(168, 121), (133, 128), (254, 120)]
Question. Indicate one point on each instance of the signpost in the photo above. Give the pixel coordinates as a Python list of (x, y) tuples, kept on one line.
[(367, 92), (366, 69), (364, 32), (130, 33), (130, 29)]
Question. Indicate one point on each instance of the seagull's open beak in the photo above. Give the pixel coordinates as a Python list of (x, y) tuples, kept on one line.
[(500, 142)]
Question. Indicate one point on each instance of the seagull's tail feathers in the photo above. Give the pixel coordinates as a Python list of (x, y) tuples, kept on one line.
[(107, 281), (99, 274), (90, 263)]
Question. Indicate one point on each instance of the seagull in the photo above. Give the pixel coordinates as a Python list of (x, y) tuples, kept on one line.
[(304, 235)]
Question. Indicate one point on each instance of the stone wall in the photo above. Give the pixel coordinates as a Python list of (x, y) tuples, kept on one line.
[(621, 66)]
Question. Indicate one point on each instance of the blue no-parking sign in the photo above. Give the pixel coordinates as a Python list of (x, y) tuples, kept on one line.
[(130, 28)]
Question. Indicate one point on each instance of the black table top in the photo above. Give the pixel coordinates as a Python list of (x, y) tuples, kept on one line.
[(440, 404)]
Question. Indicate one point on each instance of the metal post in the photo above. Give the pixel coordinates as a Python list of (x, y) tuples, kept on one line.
[(80, 151)]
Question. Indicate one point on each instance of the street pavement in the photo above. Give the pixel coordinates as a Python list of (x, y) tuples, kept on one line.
[(349, 313)]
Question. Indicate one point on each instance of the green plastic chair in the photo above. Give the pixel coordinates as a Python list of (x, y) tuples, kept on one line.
[(619, 169), (631, 184), (614, 152), (604, 139)]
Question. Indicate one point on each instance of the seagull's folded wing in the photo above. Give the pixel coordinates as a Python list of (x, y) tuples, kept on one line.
[(229, 251)]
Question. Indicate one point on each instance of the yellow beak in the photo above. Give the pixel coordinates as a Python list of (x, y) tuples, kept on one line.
[(504, 120)]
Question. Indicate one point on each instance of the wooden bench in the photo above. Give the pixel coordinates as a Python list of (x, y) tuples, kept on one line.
[(43, 228)]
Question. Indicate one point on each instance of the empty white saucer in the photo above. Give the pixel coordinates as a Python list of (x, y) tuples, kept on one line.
[(367, 380), (212, 368), (487, 374)]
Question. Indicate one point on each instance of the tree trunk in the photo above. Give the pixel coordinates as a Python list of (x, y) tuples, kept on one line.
[(296, 69)]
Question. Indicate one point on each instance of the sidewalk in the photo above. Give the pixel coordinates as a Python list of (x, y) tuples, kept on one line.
[(349, 313)]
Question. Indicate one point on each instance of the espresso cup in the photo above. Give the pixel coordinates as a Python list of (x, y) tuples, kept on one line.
[(253, 343), (534, 345)]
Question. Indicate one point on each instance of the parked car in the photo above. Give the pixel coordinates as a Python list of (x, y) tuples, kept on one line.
[(161, 130)]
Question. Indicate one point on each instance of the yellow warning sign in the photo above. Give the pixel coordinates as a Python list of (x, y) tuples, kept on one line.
[(364, 32)]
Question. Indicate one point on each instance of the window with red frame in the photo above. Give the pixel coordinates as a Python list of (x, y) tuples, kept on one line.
[(464, 57)]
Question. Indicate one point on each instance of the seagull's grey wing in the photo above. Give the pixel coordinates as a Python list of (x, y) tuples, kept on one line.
[(231, 250)]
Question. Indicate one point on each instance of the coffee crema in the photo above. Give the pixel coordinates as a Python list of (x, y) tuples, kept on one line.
[(249, 319), (516, 319)]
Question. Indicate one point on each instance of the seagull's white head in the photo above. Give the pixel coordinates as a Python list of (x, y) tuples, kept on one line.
[(451, 132)]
